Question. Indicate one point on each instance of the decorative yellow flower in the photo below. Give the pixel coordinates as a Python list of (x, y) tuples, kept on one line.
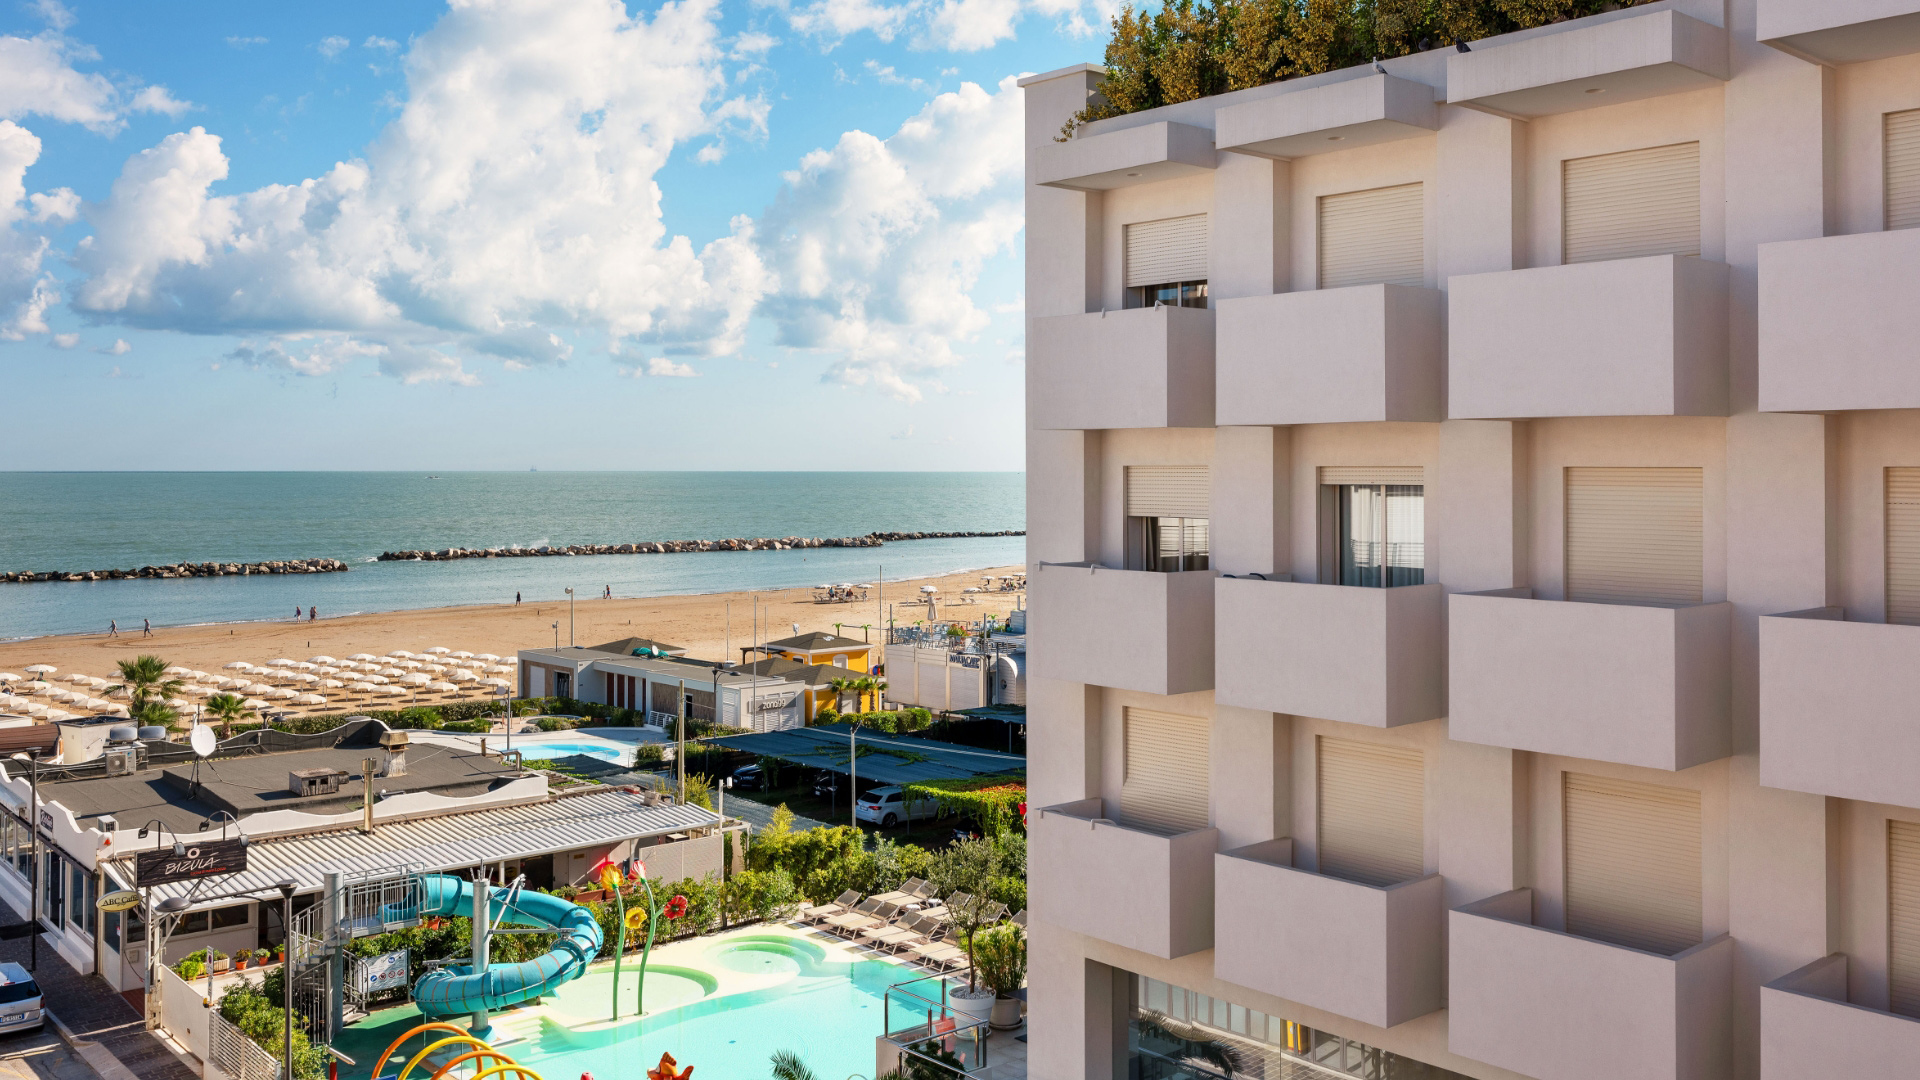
[(610, 878), (636, 918)]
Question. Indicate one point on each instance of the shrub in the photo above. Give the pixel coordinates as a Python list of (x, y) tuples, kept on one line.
[(651, 753), (263, 1020), (761, 894)]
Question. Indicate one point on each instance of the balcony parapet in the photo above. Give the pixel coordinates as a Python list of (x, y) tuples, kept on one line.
[(1138, 368), (1321, 119), (1124, 158), (1337, 652), (1840, 706), (1837, 324), (1133, 887), (1809, 1028), (1330, 356), (1370, 953), (1599, 61), (1839, 31)]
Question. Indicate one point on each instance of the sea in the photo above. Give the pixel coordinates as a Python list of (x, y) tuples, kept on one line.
[(103, 521)]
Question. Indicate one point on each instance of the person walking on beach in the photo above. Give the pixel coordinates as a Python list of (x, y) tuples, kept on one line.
[(313, 613), (516, 598), (113, 628), (296, 613), (146, 627), (608, 595)]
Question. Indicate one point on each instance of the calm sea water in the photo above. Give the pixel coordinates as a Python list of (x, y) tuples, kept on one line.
[(99, 521)]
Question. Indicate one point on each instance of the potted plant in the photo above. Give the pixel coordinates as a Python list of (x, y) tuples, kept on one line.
[(1000, 956), (973, 999), (240, 958), (220, 961), (279, 954)]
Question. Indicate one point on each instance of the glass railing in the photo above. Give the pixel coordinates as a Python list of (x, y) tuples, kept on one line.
[(937, 1038)]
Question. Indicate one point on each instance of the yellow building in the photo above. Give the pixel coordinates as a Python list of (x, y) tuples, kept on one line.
[(817, 659)]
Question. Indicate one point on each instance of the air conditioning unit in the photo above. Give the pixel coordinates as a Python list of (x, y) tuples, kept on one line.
[(314, 781), (122, 760)]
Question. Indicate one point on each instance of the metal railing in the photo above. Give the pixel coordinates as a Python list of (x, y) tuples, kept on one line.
[(919, 1023), (238, 1056), (375, 905)]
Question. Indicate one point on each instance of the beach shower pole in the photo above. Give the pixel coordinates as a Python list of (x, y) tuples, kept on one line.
[(570, 640)]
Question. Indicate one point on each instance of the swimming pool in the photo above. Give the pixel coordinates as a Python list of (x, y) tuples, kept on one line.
[(724, 1004), (619, 754)]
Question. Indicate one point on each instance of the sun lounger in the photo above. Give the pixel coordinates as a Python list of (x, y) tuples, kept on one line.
[(942, 954), (904, 894), (957, 902), (893, 937), (993, 913), (1020, 920), (881, 916), (860, 918), (816, 912)]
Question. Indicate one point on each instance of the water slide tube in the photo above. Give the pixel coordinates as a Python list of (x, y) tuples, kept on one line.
[(454, 990)]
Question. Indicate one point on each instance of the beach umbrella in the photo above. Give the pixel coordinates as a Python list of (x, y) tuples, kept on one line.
[(305, 665), (462, 654), (415, 680), (211, 678), (57, 714), (410, 664), (179, 703), (232, 684), (98, 684), (391, 690), (331, 684), (499, 669), (361, 688), (361, 656), (376, 680), (393, 672), (280, 661), (176, 669), (488, 657), (74, 677), (440, 650), (322, 660), (96, 703), (402, 653), (239, 665), (259, 688), (255, 703), (42, 669), (200, 691), (495, 682), (463, 676), (8, 676), (929, 588), (441, 687), (309, 699), (34, 708), (282, 695), (35, 687)]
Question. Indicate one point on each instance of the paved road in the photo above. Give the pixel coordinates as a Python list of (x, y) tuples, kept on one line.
[(98, 1017), (41, 1056)]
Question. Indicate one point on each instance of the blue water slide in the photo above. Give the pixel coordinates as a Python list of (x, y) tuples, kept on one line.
[(452, 990)]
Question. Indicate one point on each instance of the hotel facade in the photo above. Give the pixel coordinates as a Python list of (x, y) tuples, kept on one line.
[(1607, 762)]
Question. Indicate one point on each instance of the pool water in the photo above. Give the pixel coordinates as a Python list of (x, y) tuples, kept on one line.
[(546, 751), (724, 1005)]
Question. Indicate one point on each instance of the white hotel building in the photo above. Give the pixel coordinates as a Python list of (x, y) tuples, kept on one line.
[(1475, 524)]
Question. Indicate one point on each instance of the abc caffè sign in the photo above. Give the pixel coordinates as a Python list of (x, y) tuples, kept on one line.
[(209, 858)]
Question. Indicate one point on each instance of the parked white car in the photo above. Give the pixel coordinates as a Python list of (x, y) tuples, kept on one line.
[(19, 1001), (887, 806)]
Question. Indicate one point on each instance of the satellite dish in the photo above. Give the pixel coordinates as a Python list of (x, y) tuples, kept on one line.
[(202, 741)]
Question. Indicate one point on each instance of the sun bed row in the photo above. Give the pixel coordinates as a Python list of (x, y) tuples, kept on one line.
[(909, 919)]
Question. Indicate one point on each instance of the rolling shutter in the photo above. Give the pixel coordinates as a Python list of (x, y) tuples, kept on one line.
[(1633, 863), (1634, 536), (1902, 131), (1903, 546), (1373, 237), (1181, 491), (1163, 252), (1372, 474), (1372, 811), (1165, 786), (1903, 917), (1623, 206)]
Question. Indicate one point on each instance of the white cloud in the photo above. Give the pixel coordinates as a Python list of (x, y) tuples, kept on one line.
[(887, 75), (330, 354), (57, 207), (414, 364), (952, 25), (65, 341), (514, 189), (752, 43), (156, 99), (381, 43), (239, 42), (118, 348), (54, 13), (38, 76), (26, 290), (332, 46), (660, 365), (877, 243)]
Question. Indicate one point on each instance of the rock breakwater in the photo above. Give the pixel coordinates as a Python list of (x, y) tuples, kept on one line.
[(185, 570), (673, 547)]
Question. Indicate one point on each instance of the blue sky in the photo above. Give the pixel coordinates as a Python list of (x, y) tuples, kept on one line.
[(514, 233)]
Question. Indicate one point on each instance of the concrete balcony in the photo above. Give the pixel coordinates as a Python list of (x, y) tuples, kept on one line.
[(1837, 327), (1137, 889), (1840, 707), (1559, 1007), (1142, 368), (1808, 1028), (1612, 682), (1330, 356), (1124, 158), (1128, 629), (1839, 31), (1373, 954), (1322, 119), (1364, 656), (1630, 337), (1598, 61)]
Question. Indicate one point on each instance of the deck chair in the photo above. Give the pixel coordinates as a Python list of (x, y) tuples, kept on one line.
[(941, 954), (925, 892), (993, 913), (860, 918), (811, 913), (1020, 920), (894, 936), (957, 902), (880, 915), (903, 894)]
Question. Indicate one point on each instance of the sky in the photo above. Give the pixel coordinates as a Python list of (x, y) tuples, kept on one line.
[(510, 234)]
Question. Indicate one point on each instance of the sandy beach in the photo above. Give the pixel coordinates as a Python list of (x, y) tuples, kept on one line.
[(705, 624)]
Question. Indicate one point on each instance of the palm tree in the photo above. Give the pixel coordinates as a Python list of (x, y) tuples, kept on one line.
[(841, 688), (228, 708), (788, 1066), (145, 678)]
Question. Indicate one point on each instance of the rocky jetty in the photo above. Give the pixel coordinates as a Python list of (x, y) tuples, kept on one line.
[(672, 547), (185, 570)]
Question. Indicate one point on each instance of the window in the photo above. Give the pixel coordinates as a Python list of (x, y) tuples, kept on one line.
[(1631, 204), (1167, 522), (227, 918), (1632, 863), (1373, 525), (1165, 784), (1903, 917), (1373, 237), (840, 661), (52, 878), (1902, 132), (1903, 546), (1371, 800), (1167, 262), (1634, 536)]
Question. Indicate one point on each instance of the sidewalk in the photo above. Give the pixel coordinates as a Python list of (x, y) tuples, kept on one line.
[(106, 1031)]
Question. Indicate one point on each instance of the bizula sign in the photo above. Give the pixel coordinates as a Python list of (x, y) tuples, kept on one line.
[(205, 859)]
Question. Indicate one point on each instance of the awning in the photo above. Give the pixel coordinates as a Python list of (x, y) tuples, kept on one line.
[(887, 759), (443, 842), (1010, 714)]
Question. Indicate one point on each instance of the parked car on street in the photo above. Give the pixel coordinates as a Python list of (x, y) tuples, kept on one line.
[(888, 806), (20, 1008)]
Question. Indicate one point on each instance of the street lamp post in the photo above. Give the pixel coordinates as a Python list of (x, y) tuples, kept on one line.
[(33, 826), (286, 972), (570, 640)]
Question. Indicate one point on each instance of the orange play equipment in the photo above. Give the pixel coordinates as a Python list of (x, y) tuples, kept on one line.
[(502, 1063)]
